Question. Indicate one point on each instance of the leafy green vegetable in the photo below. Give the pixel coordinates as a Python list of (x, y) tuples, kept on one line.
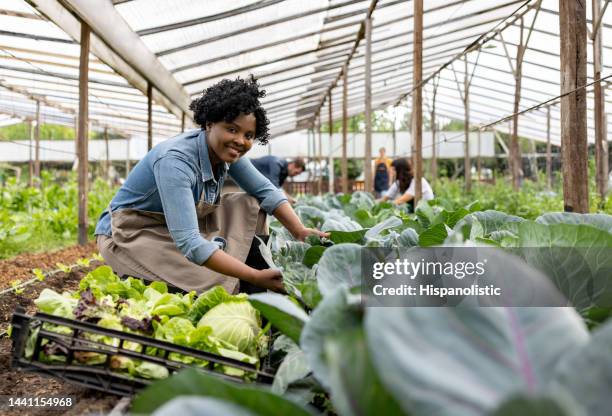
[(209, 299), (53, 303), (235, 322)]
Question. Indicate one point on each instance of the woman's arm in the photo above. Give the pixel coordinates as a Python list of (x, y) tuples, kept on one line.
[(403, 199), (174, 180), (408, 195), (287, 216), (272, 200), (390, 193)]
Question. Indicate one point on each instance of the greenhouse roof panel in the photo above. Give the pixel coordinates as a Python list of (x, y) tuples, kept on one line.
[(296, 48)]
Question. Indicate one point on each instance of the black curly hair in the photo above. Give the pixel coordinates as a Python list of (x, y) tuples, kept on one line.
[(227, 99)]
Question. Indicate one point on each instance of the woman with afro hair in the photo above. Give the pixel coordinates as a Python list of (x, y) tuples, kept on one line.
[(169, 218)]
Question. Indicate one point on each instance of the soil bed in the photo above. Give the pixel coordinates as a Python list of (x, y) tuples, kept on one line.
[(20, 266), (16, 383)]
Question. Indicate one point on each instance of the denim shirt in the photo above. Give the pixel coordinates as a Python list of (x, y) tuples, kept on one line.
[(171, 178)]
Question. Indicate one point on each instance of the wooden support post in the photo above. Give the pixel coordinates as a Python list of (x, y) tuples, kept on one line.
[(533, 161), (37, 142), (182, 122), (31, 148), (149, 116), (467, 164), (417, 98), (478, 158), (106, 146), (320, 156), (330, 162), (308, 144), (515, 150), (394, 132), (601, 144), (83, 133), (127, 157), (433, 169), (574, 151), (344, 165), (367, 163), (76, 137), (548, 151)]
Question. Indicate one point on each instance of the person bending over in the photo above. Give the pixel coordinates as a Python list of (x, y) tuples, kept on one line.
[(277, 170), (402, 190), (161, 223)]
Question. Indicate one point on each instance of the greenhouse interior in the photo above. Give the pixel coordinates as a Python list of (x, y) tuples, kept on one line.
[(291, 207)]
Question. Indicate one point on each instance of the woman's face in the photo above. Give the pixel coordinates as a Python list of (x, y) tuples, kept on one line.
[(231, 140)]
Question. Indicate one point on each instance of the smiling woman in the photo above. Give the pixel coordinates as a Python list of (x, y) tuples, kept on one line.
[(163, 222)]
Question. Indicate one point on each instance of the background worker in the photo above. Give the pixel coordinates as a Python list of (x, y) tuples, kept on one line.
[(277, 169), (402, 190), (382, 173)]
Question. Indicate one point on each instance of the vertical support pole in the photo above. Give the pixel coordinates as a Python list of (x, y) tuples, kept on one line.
[(31, 149), (182, 122), (548, 151), (330, 162), (320, 155), (107, 164), (515, 150), (37, 141), (76, 139), (127, 157), (344, 169), (478, 159), (308, 144), (394, 132), (601, 145), (533, 161), (434, 144), (83, 132), (417, 97), (149, 116), (572, 18), (467, 164), (367, 163)]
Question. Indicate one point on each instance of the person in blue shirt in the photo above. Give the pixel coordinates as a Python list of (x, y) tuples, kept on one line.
[(161, 222), (277, 169)]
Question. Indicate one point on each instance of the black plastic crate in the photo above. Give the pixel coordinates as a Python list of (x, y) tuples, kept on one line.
[(102, 377)]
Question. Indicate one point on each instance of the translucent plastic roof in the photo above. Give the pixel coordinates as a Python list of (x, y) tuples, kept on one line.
[(39, 61), (492, 88), (296, 48)]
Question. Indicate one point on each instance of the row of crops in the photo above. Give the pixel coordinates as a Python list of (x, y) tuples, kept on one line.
[(43, 217), (323, 351)]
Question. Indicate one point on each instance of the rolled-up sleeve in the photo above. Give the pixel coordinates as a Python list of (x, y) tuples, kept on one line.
[(175, 179), (257, 185)]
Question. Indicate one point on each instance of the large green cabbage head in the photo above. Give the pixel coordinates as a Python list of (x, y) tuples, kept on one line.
[(234, 322)]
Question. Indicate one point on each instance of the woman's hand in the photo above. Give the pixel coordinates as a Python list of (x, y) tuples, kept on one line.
[(270, 279), (304, 232), (287, 216)]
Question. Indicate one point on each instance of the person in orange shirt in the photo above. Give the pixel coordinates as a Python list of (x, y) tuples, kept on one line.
[(382, 173)]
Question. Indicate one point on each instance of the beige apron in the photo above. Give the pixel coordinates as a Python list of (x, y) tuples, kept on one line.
[(141, 244)]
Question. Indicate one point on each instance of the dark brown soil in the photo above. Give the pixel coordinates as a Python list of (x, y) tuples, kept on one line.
[(17, 383), (20, 267)]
